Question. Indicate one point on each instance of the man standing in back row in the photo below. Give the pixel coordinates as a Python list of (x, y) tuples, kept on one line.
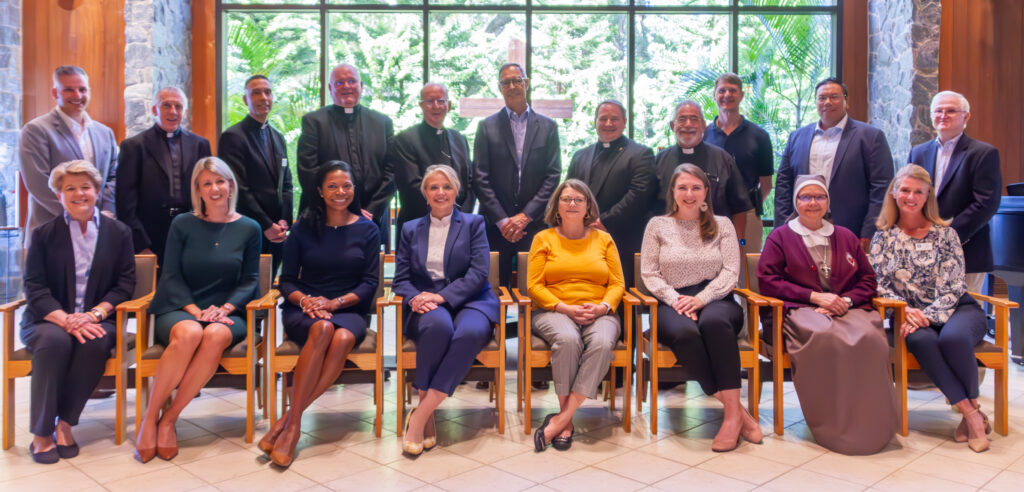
[(517, 168)]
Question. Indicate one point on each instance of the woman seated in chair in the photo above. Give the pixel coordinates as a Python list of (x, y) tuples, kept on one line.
[(79, 267), (918, 259), (689, 260), (210, 272), (441, 272), (575, 280), (329, 274), (838, 348)]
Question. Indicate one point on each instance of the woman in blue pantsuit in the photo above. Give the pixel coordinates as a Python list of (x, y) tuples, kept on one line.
[(441, 272)]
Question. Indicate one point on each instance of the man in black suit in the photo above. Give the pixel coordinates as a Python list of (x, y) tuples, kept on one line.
[(425, 144), (154, 172), (517, 167), (968, 181), (620, 173), (257, 154), (352, 133)]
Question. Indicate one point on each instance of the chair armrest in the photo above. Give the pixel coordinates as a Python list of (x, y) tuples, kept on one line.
[(648, 300), (631, 299), (756, 299), (504, 297), (268, 301), (387, 299), (12, 306), (522, 300), (136, 305), (995, 301), (887, 303)]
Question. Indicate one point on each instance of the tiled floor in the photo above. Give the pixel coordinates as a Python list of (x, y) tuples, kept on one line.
[(340, 452)]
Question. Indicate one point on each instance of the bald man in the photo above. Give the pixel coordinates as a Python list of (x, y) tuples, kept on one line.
[(350, 132), (154, 171)]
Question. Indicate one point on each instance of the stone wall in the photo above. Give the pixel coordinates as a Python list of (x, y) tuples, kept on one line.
[(158, 48), (903, 70), (10, 105)]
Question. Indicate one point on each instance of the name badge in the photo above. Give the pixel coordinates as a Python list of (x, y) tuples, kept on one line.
[(923, 246)]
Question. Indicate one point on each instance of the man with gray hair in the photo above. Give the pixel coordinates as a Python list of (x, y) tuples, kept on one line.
[(154, 169), (967, 178), (729, 197), (64, 134)]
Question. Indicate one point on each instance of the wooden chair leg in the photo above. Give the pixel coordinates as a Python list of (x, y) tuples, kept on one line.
[(250, 411), (378, 399), (627, 415), (8, 437), (499, 391), (610, 391), (778, 372), (527, 396), (400, 401), (754, 388), (653, 404), (1002, 411), (120, 405), (141, 395)]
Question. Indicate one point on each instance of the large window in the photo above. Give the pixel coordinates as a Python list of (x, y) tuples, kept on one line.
[(649, 54)]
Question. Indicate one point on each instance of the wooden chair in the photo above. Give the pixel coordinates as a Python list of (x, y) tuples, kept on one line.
[(662, 357), (994, 356), (18, 363), (535, 353), (239, 359), (492, 356), (776, 350), (368, 357)]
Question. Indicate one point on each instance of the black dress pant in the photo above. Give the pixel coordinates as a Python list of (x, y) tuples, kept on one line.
[(276, 252), (507, 252), (707, 347), (946, 352), (64, 372)]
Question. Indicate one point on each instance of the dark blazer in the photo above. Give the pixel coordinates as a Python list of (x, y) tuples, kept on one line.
[(496, 174), (969, 193), (861, 172), (144, 200), (466, 264), (320, 141), (50, 269), (787, 272), (624, 185), (409, 157), (264, 188)]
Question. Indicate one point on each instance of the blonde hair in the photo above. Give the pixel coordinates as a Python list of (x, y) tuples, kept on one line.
[(551, 216), (890, 213), (75, 167), (444, 169), (706, 219), (220, 168)]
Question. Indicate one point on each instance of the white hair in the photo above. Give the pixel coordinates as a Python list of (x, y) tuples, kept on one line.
[(964, 105)]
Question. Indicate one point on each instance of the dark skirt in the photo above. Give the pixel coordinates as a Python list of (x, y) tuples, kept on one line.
[(297, 324), (166, 321)]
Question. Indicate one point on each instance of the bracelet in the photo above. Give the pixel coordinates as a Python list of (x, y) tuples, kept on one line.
[(303, 298), (103, 312), (97, 313), (95, 317)]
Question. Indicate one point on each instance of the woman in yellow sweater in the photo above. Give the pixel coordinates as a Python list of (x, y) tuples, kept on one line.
[(575, 280)]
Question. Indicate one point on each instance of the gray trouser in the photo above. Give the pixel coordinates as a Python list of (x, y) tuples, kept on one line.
[(580, 356)]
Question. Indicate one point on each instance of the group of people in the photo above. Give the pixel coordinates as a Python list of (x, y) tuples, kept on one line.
[(846, 231)]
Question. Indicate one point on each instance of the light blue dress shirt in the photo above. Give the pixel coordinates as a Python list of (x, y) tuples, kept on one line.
[(84, 245)]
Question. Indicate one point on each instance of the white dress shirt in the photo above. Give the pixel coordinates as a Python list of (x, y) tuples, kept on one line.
[(942, 158), (823, 149), (81, 134), (84, 247), (435, 245)]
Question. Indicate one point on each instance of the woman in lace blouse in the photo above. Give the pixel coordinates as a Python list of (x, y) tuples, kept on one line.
[(690, 261), (918, 259)]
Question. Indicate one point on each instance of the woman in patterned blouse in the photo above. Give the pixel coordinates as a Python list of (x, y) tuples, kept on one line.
[(918, 259), (690, 260)]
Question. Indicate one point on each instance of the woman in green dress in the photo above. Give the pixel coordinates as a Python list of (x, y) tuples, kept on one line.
[(210, 271)]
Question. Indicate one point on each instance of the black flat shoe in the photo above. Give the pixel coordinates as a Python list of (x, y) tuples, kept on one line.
[(538, 436), (44, 458), (66, 452), (563, 443)]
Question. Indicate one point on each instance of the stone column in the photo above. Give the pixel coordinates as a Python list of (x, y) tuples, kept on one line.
[(903, 71), (10, 106), (158, 47)]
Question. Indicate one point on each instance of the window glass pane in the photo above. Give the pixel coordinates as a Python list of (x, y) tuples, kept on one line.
[(286, 48), (478, 2), (787, 3), (674, 53), (578, 3), (781, 57), (685, 3), (375, 2), (387, 48), (270, 2), (578, 61), (466, 50)]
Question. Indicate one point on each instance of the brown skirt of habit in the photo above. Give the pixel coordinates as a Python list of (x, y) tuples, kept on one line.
[(843, 378)]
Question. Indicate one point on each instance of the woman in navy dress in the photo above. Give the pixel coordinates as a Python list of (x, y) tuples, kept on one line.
[(329, 275)]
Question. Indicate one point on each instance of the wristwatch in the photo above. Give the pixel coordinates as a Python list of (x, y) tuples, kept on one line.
[(848, 300)]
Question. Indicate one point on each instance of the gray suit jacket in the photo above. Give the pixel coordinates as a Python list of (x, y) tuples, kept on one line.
[(46, 142)]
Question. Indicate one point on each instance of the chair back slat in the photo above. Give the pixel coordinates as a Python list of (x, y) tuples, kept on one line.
[(266, 274), (751, 272), (521, 261), (145, 275), (639, 281), (492, 272), (380, 276)]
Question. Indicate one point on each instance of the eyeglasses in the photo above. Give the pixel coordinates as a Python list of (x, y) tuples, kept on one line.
[(830, 97), (692, 119), (343, 83), (514, 82), (808, 198), (947, 112), (434, 102), (572, 200)]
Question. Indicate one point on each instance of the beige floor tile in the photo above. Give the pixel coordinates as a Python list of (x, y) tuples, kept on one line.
[(1017, 466), (593, 480), (642, 467), (120, 467), (1001, 453), (953, 469), (787, 449), (435, 466), (168, 479), (346, 432), (745, 467), (64, 479), (485, 478), (588, 450), (684, 450), (380, 478), (698, 480), (486, 449), (906, 480), (539, 467), (226, 466), (204, 447), (17, 462), (385, 450), (267, 479), (800, 479), (330, 466), (849, 468), (1006, 481), (539, 488)]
